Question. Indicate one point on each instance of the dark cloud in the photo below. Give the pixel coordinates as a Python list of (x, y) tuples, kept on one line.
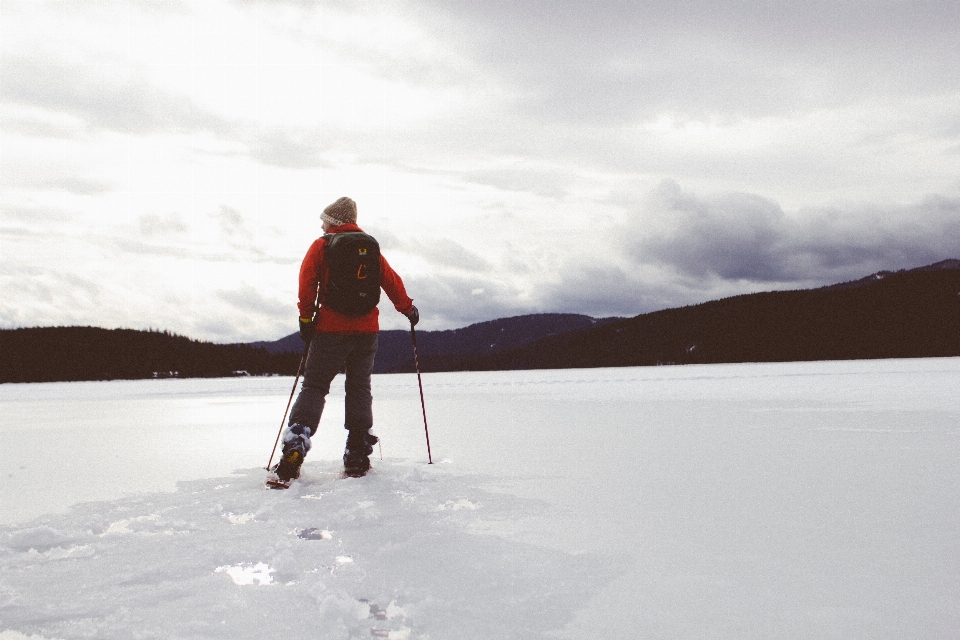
[(679, 248), (870, 238), (451, 300), (748, 237), (734, 236), (602, 289)]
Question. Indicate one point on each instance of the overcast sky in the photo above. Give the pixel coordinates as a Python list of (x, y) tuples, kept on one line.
[(164, 163)]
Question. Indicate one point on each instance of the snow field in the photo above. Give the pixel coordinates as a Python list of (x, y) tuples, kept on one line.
[(796, 500), (389, 555)]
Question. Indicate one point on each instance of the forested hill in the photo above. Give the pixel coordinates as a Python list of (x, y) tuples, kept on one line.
[(48, 354), (907, 314), (396, 349), (484, 337)]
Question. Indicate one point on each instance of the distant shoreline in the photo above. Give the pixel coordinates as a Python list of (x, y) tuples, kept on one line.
[(906, 314)]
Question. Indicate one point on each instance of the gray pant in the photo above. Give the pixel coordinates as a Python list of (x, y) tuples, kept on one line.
[(331, 353)]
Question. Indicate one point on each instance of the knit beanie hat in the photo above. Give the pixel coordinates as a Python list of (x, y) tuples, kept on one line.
[(342, 211)]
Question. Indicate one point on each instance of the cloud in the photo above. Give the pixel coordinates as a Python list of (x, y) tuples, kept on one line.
[(187, 252), (452, 300), (734, 236), (54, 174), (290, 148), (154, 225), (446, 253), (870, 238), (611, 61), (46, 125), (245, 314), (32, 213), (387, 239), (106, 96), (33, 297), (522, 146), (248, 300), (243, 241), (232, 223), (678, 248), (748, 237), (548, 183)]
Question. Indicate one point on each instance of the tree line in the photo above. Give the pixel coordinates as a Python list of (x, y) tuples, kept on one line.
[(907, 314), (912, 314), (51, 354)]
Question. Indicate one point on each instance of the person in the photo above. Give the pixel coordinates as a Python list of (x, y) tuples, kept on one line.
[(338, 341)]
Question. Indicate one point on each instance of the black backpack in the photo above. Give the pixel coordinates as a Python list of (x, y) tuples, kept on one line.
[(353, 263)]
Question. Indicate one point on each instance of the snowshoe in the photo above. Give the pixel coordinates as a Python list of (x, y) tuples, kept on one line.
[(289, 466), (356, 458), (355, 466), (277, 483), (296, 443)]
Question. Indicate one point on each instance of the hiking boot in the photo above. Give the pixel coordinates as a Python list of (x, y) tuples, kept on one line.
[(361, 442), (355, 466), (296, 443), (356, 458), (289, 466)]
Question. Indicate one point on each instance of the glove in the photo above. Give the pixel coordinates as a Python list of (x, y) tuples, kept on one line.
[(308, 329), (414, 316)]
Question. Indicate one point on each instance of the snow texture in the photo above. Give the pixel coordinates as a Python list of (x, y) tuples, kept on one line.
[(808, 500)]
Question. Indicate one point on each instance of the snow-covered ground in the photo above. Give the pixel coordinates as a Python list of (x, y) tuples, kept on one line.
[(805, 500)]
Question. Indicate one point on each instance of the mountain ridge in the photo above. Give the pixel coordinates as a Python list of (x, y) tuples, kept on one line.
[(904, 314), (395, 347), (910, 313)]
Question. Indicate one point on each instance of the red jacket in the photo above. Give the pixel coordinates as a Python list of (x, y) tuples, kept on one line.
[(314, 273)]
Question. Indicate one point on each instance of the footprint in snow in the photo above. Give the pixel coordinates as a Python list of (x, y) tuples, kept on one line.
[(315, 534), (392, 612)]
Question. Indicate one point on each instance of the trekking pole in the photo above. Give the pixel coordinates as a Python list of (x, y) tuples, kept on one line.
[(295, 381), (416, 360)]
